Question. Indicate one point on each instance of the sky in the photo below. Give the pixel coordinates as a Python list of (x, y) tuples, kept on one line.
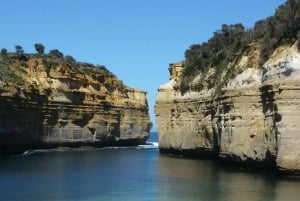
[(135, 39)]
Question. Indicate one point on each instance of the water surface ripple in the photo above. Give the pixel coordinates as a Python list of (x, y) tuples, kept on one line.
[(133, 173)]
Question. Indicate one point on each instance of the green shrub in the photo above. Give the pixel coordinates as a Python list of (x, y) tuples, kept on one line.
[(49, 64), (15, 78), (56, 53)]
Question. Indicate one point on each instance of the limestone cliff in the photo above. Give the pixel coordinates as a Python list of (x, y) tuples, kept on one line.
[(255, 119), (50, 102)]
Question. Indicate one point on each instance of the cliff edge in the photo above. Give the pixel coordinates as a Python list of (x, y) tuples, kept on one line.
[(254, 120), (237, 96), (48, 101)]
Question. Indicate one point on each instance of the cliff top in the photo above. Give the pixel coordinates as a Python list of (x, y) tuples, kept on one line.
[(60, 78)]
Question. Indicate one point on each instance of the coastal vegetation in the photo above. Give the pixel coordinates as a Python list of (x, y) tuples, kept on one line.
[(15, 65), (214, 60)]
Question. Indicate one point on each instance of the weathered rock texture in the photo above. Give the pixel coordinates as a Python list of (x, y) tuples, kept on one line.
[(43, 107), (256, 119)]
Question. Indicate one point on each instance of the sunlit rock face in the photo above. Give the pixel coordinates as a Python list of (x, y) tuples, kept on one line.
[(69, 107), (256, 119)]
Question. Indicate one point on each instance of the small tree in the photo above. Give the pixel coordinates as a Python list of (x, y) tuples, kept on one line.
[(19, 50), (4, 52), (20, 53), (39, 48)]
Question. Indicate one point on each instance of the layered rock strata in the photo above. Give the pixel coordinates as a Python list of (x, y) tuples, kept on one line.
[(255, 120), (68, 106)]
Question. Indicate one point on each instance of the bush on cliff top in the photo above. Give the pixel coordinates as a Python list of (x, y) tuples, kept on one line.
[(231, 41)]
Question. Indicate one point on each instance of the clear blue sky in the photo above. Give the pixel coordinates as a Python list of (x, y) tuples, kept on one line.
[(135, 39)]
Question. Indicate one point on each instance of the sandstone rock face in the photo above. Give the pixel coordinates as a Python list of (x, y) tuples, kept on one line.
[(67, 106), (255, 120)]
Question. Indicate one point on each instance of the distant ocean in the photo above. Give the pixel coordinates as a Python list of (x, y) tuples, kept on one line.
[(133, 174)]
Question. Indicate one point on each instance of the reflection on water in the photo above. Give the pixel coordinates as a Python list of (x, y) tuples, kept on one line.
[(206, 180), (133, 174)]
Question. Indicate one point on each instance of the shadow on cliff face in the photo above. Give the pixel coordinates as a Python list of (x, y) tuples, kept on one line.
[(77, 97), (270, 110), (21, 123), (269, 105)]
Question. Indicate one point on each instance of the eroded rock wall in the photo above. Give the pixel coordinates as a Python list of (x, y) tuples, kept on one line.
[(87, 106), (255, 120), (186, 125)]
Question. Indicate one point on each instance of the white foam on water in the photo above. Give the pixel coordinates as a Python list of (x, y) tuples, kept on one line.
[(149, 145), (33, 151)]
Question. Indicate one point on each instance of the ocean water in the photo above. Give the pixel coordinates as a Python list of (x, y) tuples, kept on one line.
[(133, 173)]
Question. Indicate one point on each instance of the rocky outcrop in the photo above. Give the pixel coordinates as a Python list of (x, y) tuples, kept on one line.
[(254, 120), (68, 105)]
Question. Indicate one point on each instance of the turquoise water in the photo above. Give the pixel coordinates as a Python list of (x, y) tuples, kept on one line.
[(136, 173)]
